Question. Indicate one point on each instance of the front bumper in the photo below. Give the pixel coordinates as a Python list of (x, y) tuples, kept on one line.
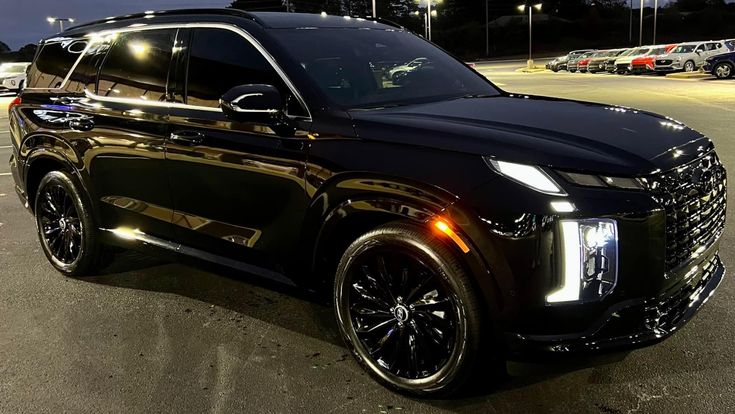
[(633, 323)]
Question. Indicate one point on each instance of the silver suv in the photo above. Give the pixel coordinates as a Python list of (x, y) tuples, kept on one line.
[(688, 56)]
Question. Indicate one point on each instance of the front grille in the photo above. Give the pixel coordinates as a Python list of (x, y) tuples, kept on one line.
[(667, 313), (664, 62), (694, 197)]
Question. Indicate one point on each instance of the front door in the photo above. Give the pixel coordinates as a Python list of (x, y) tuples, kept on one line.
[(238, 188)]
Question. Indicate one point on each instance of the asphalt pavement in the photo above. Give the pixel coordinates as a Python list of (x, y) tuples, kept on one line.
[(154, 336)]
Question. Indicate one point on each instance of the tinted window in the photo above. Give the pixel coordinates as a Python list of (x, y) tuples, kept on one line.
[(713, 46), (54, 61), (372, 68), (220, 60), (84, 75), (137, 65)]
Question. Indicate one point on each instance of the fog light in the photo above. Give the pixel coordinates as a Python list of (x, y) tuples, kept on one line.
[(589, 260)]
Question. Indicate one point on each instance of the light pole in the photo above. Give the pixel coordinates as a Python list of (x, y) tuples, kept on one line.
[(640, 40), (60, 20), (630, 25), (487, 29), (655, 18), (430, 12), (522, 8), (375, 10)]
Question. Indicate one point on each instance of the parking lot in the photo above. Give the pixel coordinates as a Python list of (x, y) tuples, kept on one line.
[(152, 336)]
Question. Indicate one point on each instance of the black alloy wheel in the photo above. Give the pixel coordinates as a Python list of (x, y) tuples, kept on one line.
[(66, 229), (407, 311)]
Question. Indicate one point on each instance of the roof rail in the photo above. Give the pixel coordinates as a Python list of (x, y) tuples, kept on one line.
[(177, 12)]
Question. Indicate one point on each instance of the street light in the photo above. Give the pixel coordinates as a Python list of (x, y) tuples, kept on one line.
[(522, 8), (655, 17), (640, 38), (60, 20), (429, 14)]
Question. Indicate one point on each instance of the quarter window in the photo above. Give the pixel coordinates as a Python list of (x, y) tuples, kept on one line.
[(54, 62), (137, 66), (220, 60)]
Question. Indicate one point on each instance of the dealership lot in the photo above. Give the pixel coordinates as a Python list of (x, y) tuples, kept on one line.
[(156, 336)]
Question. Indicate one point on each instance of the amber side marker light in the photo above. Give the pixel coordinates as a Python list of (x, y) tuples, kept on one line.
[(443, 227)]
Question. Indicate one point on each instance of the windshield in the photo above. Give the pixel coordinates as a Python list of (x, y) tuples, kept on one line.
[(659, 51), (13, 68), (684, 49), (376, 68)]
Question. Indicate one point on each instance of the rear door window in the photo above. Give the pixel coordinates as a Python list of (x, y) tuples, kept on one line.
[(54, 61), (137, 66)]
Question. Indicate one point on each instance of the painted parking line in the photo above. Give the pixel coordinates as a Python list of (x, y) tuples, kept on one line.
[(4, 174), (5, 146)]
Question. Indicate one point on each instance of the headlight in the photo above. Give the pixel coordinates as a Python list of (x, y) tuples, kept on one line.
[(588, 260), (528, 175), (587, 180)]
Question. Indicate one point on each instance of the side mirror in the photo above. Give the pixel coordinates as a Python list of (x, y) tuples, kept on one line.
[(253, 103)]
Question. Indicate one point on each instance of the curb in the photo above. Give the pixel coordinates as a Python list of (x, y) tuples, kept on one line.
[(533, 70), (688, 75)]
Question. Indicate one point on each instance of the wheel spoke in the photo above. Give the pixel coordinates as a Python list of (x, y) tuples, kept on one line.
[(362, 310), (377, 327), (379, 288), (385, 276), (369, 297)]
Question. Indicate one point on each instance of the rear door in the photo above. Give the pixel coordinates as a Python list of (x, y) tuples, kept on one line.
[(126, 117), (238, 188)]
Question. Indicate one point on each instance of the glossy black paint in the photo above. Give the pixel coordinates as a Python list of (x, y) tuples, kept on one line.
[(287, 201)]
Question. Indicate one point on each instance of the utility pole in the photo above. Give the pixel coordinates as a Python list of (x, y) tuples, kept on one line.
[(655, 18), (640, 40), (428, 13), (375, 10), (630, 25), (487, 29)]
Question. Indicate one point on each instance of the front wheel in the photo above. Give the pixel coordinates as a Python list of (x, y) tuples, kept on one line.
[(407, 310), (66, 229), (689, 66), (723, 70)]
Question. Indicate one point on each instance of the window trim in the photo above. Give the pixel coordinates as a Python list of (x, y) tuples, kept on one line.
[(199, 25), (73, 66)]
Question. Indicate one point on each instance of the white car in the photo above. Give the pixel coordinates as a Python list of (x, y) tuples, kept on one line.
[(689, 56), (397, 71), (13, 76), (623, 65)]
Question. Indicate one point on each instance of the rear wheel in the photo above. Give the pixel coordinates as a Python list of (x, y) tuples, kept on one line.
[(723, 70), (66, 229), (407, 310)]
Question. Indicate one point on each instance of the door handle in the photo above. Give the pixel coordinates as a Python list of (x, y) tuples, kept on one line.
[(187, 137), (81, 124)]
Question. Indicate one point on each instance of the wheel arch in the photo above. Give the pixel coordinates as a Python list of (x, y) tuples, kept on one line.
[(43, 158)]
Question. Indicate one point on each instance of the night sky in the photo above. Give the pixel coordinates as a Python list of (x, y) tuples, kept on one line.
[(24, 21)]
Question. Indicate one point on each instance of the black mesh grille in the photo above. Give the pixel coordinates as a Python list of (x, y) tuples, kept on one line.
[(694, 198)]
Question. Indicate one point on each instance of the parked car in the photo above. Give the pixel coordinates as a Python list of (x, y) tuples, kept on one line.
[(646, 63), (610, 62), (582, 64), (13, 76), (623, 64), (452, 222), (722, 65), (573, 62), (398, 71), (688, 57), (560, 63), (597, 62), (730, 44)]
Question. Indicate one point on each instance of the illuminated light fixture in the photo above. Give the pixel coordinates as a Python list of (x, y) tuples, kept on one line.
[(528, 175), (149, 12), (443, 227), (434, 13), (522, 7), (347, 17), (538, 6), (589, 260), (563, 207), (50, 20), (324, 14)]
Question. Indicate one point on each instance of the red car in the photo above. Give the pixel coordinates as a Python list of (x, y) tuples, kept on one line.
[(646, 63), (583, 64)]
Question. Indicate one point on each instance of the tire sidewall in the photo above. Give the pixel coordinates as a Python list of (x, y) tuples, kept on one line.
[(69, 183), (448, 376), (714, 70)]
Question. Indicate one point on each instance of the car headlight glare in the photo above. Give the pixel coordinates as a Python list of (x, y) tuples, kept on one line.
[(589, 260), (528, 175)]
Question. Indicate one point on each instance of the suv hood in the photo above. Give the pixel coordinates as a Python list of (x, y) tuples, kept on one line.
[(552, 132)]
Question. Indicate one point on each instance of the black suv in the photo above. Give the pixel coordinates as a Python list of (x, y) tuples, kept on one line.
[(454, 222)]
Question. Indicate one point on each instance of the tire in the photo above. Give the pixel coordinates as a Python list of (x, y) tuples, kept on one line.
[(723, 70), (389, 329), (690, 66), (67, 230)]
